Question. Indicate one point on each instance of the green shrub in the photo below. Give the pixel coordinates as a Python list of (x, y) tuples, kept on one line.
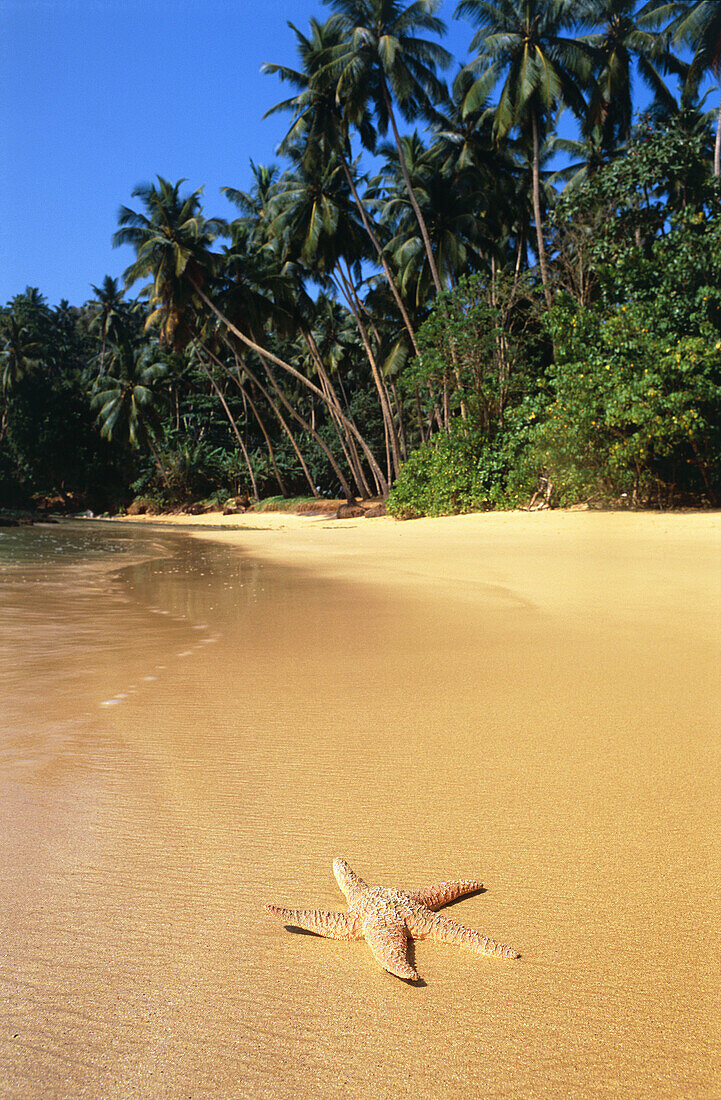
[(457, 471), (635, 409)]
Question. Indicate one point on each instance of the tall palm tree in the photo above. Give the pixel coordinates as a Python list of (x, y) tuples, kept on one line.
[(452, 206), (171, 241), (383, 60), (316, 221), (321, 124), (525, 40)]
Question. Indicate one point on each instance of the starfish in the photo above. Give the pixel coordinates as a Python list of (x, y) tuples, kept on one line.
[(384, 917)]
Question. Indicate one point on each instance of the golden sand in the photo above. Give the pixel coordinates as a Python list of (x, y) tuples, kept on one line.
[(530, 700)]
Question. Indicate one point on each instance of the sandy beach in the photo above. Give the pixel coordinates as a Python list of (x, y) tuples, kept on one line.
[(527, 699)]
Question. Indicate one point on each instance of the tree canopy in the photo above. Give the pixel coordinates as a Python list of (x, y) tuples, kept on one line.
[(453, 290)]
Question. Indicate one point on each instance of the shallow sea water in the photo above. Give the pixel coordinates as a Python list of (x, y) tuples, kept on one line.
[(188, 733)]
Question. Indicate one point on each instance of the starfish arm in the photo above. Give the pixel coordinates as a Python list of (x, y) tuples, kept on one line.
[(334, 926), (389, 944), (350, 883), (433, 897), (448, 931)]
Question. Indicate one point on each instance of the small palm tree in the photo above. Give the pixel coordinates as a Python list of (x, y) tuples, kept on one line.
[(127, 397), (107, 312), (20, 353)]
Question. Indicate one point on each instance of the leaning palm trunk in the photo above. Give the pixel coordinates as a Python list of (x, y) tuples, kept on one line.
[(381, 255), (344, 437), (279, 416), (271, 453), (399, 414), (232, 423), (269, 356), (158, 463), (355, 307), (717, 147), (409, 187), (256, 414), (397, 419), (347, 491)]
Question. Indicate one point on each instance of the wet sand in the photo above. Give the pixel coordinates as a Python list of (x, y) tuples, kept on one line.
[(531, 700)]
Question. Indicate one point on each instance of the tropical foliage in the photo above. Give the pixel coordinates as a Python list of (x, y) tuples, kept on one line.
[(454, 295)]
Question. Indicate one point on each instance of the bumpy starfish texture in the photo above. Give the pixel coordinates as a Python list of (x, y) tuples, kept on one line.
[(385, 917)]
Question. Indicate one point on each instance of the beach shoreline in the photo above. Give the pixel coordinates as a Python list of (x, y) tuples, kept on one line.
[(583, 556), (529, 699)]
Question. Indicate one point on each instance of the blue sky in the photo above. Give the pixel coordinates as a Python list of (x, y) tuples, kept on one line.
[(97, 96)]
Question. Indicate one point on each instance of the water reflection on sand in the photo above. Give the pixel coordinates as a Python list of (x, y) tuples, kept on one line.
[(190, 731)]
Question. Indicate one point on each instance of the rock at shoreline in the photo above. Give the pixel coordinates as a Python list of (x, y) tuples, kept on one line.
[(141, 507), (349, 511)]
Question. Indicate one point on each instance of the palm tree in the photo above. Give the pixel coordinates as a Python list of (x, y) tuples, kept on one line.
[(108, 311), (383, 60), (20, 352), (525, 38), (253, 204), (321, 125), (127, 397), (697, 23), (171, 242), (622, 42), (452, 203), (316, 221)]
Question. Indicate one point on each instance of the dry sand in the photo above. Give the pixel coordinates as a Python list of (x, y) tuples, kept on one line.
[(531, 700)]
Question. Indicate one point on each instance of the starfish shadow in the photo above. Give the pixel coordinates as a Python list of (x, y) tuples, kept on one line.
[(302, 931), (416, 983)]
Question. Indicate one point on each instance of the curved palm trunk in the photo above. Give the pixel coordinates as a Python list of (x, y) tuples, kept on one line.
[(345, 439), (233, 424), (256, 414), (4, 417), (381, 255), (158, 463), (278, 414), (406, 176), (717, 147), (268, 355), (271, 453), (399, 413), (347, 491), (542, 260), (356, 308)]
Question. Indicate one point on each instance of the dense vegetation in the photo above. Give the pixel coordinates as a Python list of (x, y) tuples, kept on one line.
[(456, 323)]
